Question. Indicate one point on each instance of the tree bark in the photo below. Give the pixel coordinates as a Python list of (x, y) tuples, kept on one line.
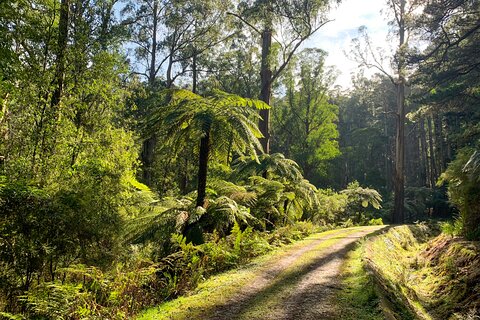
[(153, 56), (194, 71), (147, 155), (433, 167), (62, 47), (439, 142), (266, 89), (202, 168), (423, 153), (388, 157), (399, 188), (148, 145)]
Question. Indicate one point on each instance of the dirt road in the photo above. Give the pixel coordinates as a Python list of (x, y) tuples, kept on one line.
[(297, 283)]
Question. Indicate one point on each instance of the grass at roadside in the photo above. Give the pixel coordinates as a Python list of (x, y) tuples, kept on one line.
[(425, 274), (358, 299)]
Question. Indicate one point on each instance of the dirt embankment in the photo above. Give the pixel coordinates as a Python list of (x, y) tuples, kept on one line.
[(433, 276)]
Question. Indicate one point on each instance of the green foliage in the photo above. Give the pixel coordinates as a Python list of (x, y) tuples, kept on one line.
[(184, 115), (464, 191), (331, 205), (42, 232), (424, 274), (305, 119), (223, 123), (272, 166), (80, 237), (375, 222), (88, 292), (453, 228), (366, 134), (358, 202), (364, 196)]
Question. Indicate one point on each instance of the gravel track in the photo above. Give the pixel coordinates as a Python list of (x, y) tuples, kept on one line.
[(301, 285)]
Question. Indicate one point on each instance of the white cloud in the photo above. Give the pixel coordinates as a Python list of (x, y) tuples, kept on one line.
[(336, 36)]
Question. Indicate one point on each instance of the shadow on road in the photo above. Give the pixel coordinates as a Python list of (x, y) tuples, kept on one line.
[(299, 304)]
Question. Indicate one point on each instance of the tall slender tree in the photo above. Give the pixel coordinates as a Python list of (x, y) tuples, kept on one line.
[(294, 22), (304, 124), (402, 12)]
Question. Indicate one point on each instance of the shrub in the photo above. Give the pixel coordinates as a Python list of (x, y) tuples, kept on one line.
[(463, 177)]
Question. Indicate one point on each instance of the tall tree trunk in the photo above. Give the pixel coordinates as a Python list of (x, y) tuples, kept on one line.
[(387, 161), (423, 152), (147, 155), (448, 139), (412, 152), (183, 172), (202, 168), (153, 56), (399, 189), (148, 145), (439, 143), (433, 168), (266, 89), (169, 70), (62, 47), (106, 15), (194, 71)]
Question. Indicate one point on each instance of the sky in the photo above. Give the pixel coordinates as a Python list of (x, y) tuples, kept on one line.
[(336, 36)]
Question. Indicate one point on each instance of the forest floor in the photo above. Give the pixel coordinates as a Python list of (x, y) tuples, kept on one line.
[(299, 281)]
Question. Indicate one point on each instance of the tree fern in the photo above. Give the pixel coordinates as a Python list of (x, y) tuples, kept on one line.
[(270, 165), (235, 192), (216, 120)]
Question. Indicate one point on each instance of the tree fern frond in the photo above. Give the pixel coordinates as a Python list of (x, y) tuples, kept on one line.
[(235, 192), (472, 167), (275, 164)]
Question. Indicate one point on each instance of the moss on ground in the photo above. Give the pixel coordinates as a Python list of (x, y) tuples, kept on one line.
[(358, 299), (434, 277)]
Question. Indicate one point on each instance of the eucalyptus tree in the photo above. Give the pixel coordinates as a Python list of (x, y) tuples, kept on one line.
[(448, 75), (288, 23), (169, 36), (234, 65), (366, 134), (218, 121), (304, 124), (402, 13)]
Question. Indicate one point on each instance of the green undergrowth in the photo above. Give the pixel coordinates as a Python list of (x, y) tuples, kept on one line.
[(127, 288), (426, 275), (217, 290)]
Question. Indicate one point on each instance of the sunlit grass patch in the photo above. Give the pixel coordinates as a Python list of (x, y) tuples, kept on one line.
[(358, 298), (427, 277)]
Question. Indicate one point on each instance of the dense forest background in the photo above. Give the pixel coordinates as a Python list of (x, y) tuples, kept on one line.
[(132, 130)]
